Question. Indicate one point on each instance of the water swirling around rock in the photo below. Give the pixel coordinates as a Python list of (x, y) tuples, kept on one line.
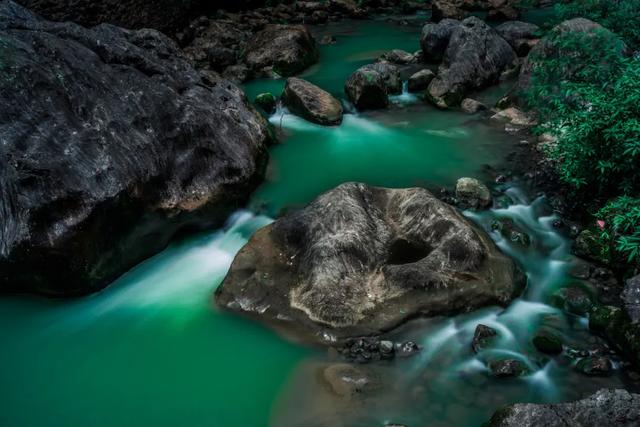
[(150, 350)]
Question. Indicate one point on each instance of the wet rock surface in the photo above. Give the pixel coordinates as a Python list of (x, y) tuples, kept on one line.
[(112, 143), (309, 101), (507, 368), (482, 337), (361, 260), (369, 349), (606, 408), (592, 366), (631, 298)]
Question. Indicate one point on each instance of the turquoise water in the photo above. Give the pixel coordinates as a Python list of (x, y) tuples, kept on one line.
[(152, 350)]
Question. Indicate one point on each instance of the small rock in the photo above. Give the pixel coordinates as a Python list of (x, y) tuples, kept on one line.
[(547, 342), (595, 366), (267, 102), (505, 368), (420, 80), (327, 39), (508, 229), (312, 103), (472, 194), (471, 106), (482, 336), (514, 116), (397, 56), (407, 349)]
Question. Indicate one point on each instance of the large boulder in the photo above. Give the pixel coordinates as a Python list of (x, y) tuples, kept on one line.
[(309, 101), (475, 57), (361, 260), (163, 15), (435, 38), (287, 49), (111, 143), (390, 76), (606, 408), (547, 48)]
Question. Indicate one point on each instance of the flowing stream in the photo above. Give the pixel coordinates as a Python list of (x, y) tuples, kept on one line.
[(152, 350)]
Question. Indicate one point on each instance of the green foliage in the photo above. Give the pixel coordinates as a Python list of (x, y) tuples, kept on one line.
[(587, 94), (620, 16), (620, 229)]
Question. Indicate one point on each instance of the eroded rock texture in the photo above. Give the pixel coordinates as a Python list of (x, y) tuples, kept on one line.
[(110, 143), (360, 260), (606, 408)]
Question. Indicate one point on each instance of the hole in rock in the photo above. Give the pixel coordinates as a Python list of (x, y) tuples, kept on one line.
[(405, 252)]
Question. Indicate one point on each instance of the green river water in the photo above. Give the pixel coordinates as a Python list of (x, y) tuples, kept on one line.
[(152, 350)]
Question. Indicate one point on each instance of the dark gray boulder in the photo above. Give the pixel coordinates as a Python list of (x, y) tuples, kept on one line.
[(435, 39), (286, 49), (366, 89), (361, 260), (163, 15), (111, 143), (312, 103), (606, 408), (521, 36), (475, 58)]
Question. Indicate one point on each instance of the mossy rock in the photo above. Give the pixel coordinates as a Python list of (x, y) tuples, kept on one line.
[(595, 366), (267, 102), (588, 245)]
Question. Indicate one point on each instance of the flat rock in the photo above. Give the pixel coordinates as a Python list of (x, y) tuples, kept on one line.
[(309, 101), (361, 260), (606, 408), (111, 144)]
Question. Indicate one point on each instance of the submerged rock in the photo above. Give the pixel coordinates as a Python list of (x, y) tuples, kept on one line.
[(547, 342), (287, 49), (482, 337), (361, 260), (472, 194), (366, 89), (510, 231), (348, 380), (420, 80), (606, 408), (309, 101), (111, 144), (475, 58)]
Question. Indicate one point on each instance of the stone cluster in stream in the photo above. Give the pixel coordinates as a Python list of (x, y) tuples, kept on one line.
[(369, 349)]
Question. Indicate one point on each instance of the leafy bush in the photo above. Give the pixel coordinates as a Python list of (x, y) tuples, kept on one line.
[(620, 227), (620, 16), (588, 96)]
